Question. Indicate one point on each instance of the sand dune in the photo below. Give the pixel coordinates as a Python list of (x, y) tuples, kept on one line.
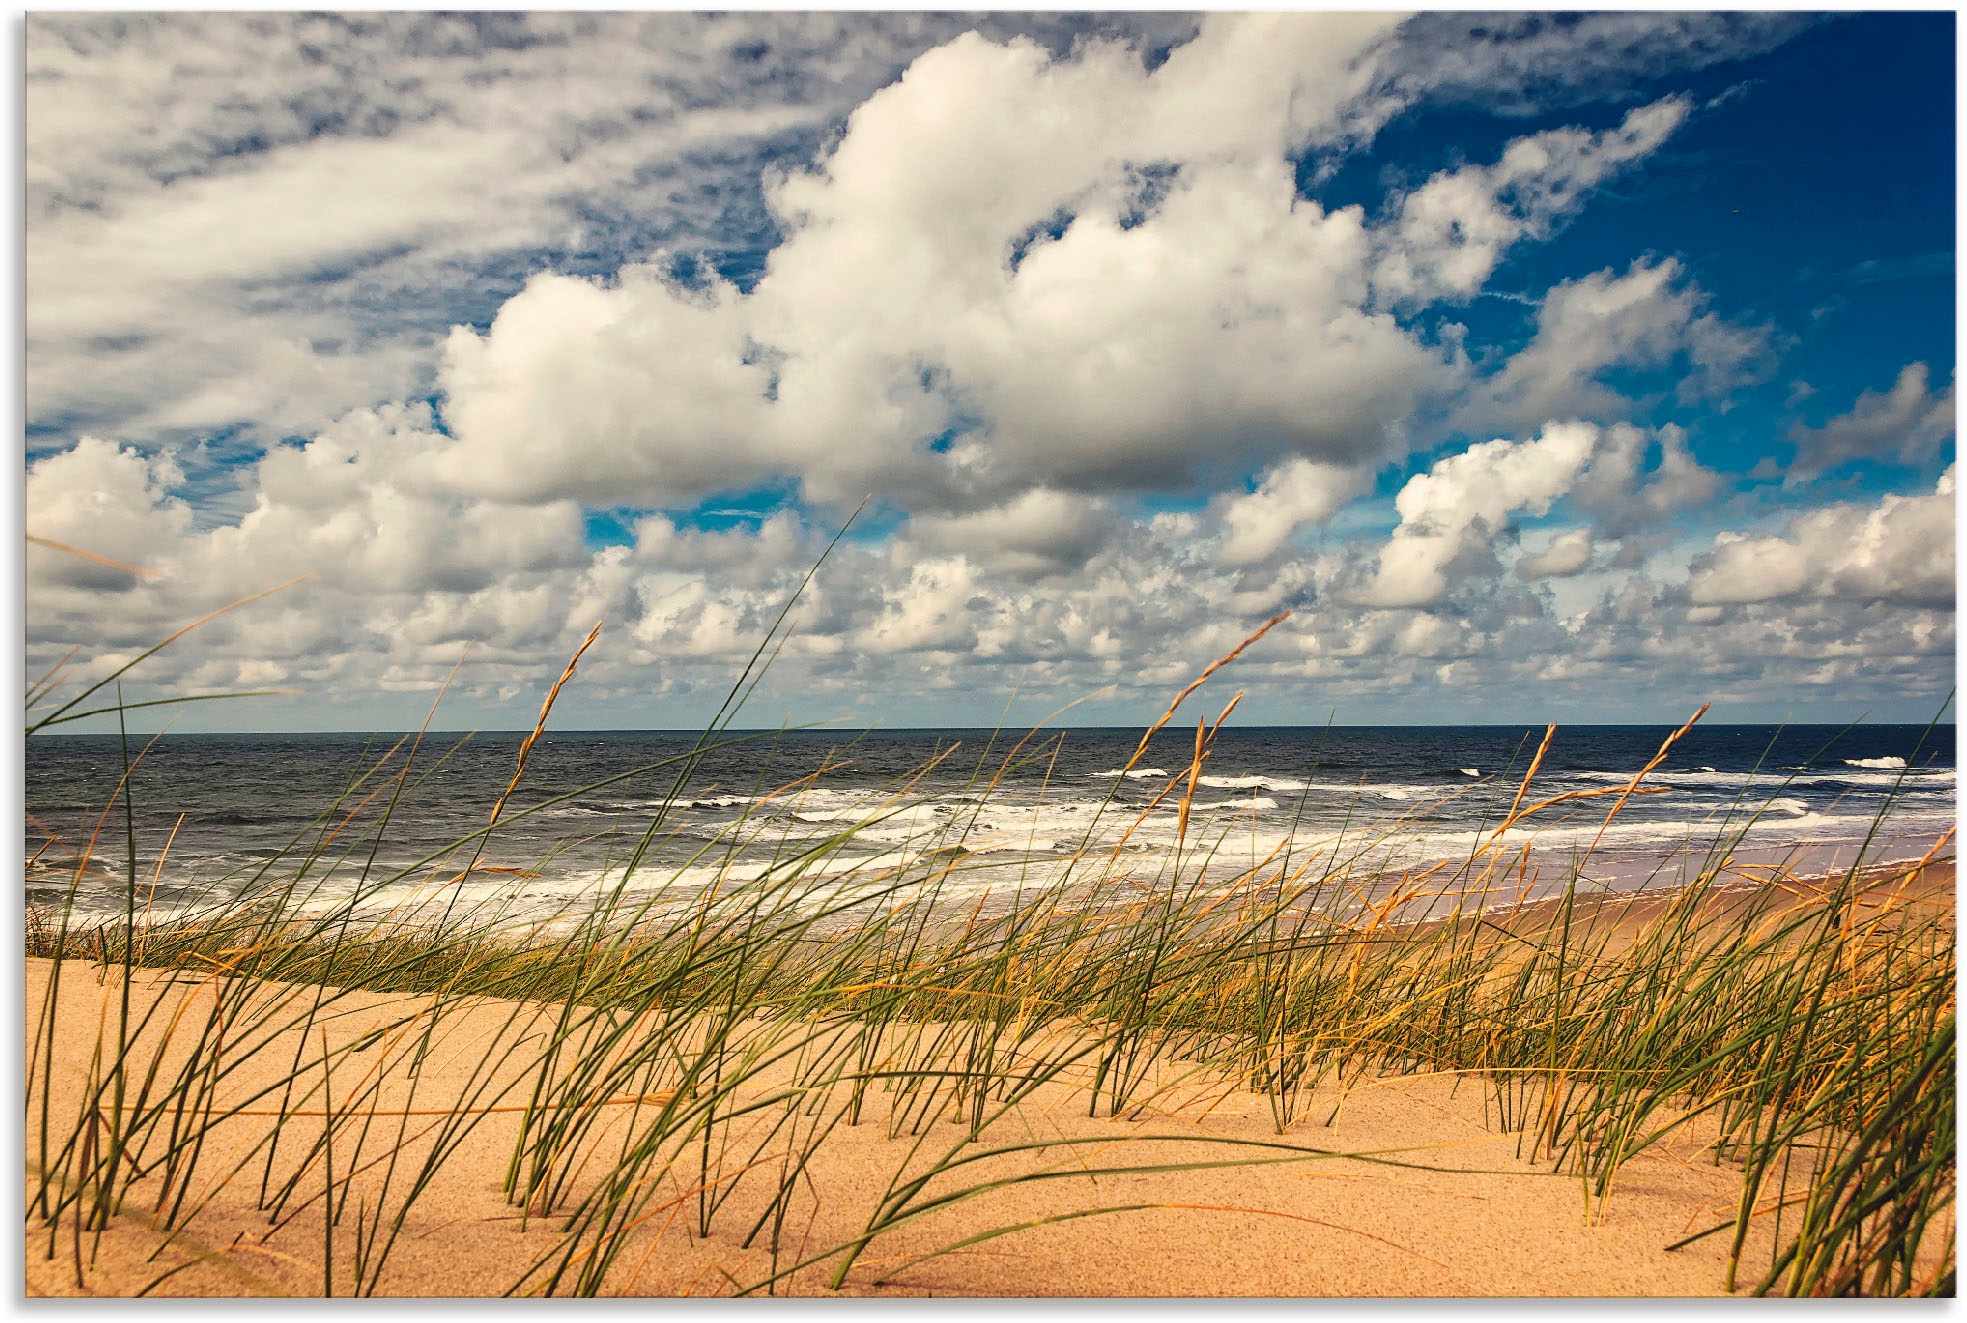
[(1471, 1215)]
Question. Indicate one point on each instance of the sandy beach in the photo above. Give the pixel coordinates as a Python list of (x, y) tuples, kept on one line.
[(1384, 1185), (1471, 1217)]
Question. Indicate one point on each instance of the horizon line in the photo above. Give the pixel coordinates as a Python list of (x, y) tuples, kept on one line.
[(828, 728)]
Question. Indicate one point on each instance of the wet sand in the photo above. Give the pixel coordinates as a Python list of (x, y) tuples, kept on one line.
[(1911, 890)]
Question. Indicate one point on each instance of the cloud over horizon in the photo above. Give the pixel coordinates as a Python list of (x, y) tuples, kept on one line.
[(1131, 337)]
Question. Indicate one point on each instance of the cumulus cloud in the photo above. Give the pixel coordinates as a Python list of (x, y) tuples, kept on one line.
[(1568, 554), (1908, 423), (638, 392), (932, 609), (1648, 317), (1092, 293), (348, 500), (270, 219), (778, 544), (1452, 515), (387, 565), (106, 499), (1899, 551), (1290, 496), (1081, 283), (1041, 532), (1452, 231), (1624, 495), (952, 609)]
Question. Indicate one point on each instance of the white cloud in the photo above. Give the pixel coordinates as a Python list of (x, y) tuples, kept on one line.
[(931, 610), (1724, 355), (1568, 554), (1526, 63), (106, 499), (389, 567), (1192, 319), (918, 614), (1087, 281), (1452, 231), (1623, 495), (348, 505), (778, 545), (1040, 533), (345, 187), (1451, 516), (1900, 551), (1294, 494), (636, 392), (1431, 636), (1908, 423), (1593, 324)]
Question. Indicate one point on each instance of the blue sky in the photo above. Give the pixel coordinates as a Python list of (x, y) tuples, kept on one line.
[(1545, 367)]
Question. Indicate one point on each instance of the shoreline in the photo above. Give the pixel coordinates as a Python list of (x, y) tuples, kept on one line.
[(1620, 917), (1745, 873)]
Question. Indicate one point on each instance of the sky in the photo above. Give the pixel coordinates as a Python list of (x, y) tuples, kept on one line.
[(1546, 367)]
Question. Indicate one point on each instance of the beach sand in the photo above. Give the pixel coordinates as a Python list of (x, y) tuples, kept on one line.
[(1474, 1214)]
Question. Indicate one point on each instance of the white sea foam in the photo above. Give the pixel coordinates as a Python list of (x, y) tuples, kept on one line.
[(1250, 783), (887, 861), (1924, 779), (1233, 844), (1771, 780), (1938, 775), (1255, 802), (1028, 833), (1060, 828), (1406, 848), (1379, 790), (917, 815), (813, 799), (632, 808)]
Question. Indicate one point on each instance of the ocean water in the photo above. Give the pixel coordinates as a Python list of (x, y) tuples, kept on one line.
[(636, 814)]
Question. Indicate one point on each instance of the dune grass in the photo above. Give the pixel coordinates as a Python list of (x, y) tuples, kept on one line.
[(719, 1038)]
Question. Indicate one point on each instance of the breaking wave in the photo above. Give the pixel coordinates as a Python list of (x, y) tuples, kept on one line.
[(1257, 802), (1250, 783)]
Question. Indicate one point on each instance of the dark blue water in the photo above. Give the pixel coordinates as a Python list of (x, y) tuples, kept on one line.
[(343, 812)]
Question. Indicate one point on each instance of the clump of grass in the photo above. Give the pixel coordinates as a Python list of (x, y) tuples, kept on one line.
[(713, 1042)]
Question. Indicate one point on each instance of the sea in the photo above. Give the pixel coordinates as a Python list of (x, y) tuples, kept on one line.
[(395, 826)]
